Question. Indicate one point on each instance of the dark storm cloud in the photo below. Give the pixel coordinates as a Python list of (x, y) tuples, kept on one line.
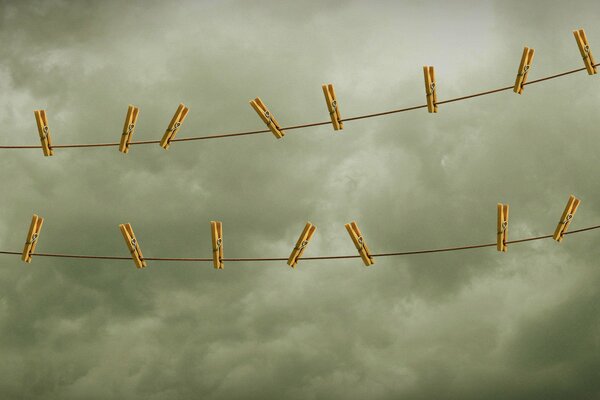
[(463, 325)]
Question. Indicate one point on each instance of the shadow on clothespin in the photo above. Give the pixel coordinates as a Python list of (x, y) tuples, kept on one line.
[(566, 218), (502, 236), (430, 92), (133, 245), (44, 132), (128, 128), (305, 236), (216, 231), (524, 67), (333, 107), (359, 242), (174, 125), (586, 52), (267, 117), (32, 238)]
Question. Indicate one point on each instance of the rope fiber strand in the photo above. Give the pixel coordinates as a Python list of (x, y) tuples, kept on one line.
[(394, 254), (308, 125)]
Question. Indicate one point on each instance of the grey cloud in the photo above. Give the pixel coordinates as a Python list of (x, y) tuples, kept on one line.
[(451, 325)]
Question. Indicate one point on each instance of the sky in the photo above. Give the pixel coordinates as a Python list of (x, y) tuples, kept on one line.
[(475, 324)]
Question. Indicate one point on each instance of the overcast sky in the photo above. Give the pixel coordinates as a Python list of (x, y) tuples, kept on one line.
[(463, 325)]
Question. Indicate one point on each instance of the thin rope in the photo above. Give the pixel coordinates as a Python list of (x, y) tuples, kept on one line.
[(308, 125), (403, 253)]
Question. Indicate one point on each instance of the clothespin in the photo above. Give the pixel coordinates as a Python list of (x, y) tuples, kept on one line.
[(44, 131), (133, 245), (174, 126), (305, 236), (32, 238), (268, 118), (216, 230), (333, 107), (566, 218), (584, 49), (128, 128), (524, 67), (360, 244), (502, 236), (430, 88)]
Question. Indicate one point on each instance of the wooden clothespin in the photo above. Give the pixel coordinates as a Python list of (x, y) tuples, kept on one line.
[(333, 107), (44, 131), (174, 126), (524, 67), (360, 244), (430, 88), (586, 52), (305, 236), (502, 236), (32, 238), (128, 128), (216, 230), (268, 118), (133, 245), (566, 218)]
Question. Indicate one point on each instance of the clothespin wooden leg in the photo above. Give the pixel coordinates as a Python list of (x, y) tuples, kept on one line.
[(32, 238), (566, 218), (267, 117), (128, 128), (359, 242), (586, 52), (216, 230), (44, 132), (430, 89), (524, 67), (303, 240), (502, 226), (133, 245), (333, 107), (174, 125)]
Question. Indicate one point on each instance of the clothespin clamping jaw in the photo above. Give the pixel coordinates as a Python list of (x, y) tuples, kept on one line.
[(430, 92), (305, 236), (584, 49), (128, 128), (267, 117), (32, 238), (524, 67), (216, 230), (133, 245), (333, 107), (174, 125), (360, 244), (566, 218), (44, 131), (502, 236)]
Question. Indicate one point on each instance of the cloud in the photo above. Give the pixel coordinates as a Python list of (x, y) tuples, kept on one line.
[(453, 325)]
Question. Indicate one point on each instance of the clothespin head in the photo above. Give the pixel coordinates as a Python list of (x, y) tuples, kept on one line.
[(502, 236), (216, 231), (333, 107), (44, 131), (128, 128), (32, 238), (586, 52), (359, 242), (174, 125), (524, 67), (133, 245), (267, 117), (430, 91), (305, 236), (566, 218)]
